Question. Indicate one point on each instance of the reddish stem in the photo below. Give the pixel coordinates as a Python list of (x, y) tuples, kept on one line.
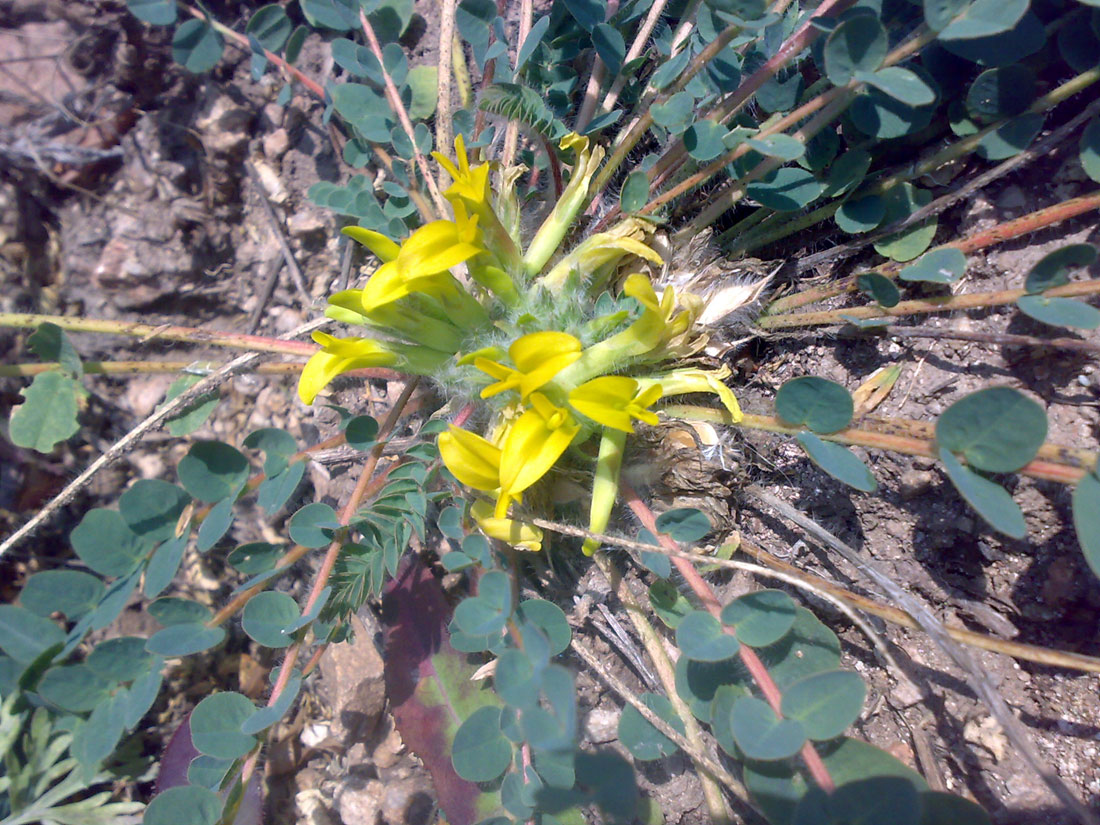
[(756, 668)]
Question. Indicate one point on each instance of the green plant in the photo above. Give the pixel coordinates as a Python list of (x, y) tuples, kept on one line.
[(747, 119)]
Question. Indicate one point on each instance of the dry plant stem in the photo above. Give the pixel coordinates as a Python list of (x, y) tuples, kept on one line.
[(698, 756), (716, 804), (591, 95), (129, 441), (1055, 463), (964, 190), (975, 676), (923, 306), (756, 668), (398, 107), (511, 133), (443, 135), (835, 594), (162, 332), (999, 339), (636, 48), (1009, 230), (153, 367)]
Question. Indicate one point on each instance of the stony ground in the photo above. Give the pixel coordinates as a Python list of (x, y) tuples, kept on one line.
[(168, 226)]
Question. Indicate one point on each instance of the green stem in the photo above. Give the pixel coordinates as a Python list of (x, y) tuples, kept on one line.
[(165, 332)]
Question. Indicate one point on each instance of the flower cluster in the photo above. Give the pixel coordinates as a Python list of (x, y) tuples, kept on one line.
[(446, 299)]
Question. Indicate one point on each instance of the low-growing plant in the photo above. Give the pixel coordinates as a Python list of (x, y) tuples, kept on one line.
[(539, 270)]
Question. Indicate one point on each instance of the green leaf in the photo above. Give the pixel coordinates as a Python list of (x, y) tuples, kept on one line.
[(685, 524), (784, 147), (860, 214), (480, 752), (1023, 39), (338, 15), (671, 70), (762, 618), (900, 84), (857, 44), (216, 725), (878, 287), (822, 405), (193, 415), (278, 447), (424, 83), (215, 525), (940, 266), (588, 13), (703, 140), (71, 592), (152, 509), (197, 46), (517, 679), (114, 600), (361, 432), (364, 109), (531, 42), (760, 734), (489, 611), (985, 18), (939, 13), (171, 610), (163, 565), (121, 659), (550, 619), (879, 115), (184, 805), (638, 736), (1053, 268), (865, 801), (266, 617), (825, 703), (701, 638), (1090, 149), (208, 772), (25, 636), (1060, 312), (314, 525), (48, 415), (1010, 138), (153, 12), (96, 737), (610, 46), (75, 688), (1086, 519), (1002, 92), (668, 603), (106, 544), (746, 10), (270, 26), (255, 557), (901, 202), (998, 430), (275, 492), (787, 190), (990, 500), (635, 191), (266, 717), (184, 639), (674, 112), (212, 471), (847, 172), (50, 343), (839, 462)]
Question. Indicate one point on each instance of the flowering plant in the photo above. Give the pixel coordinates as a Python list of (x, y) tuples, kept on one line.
[(525, 332)]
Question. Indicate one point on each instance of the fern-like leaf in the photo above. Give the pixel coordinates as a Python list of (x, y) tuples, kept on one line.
[(516, 102)]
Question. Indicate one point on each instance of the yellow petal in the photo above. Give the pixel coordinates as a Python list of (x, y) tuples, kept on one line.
[(534, 444), (376, 242), (605, 400), (470, 458), (337, 356), (517, 533)]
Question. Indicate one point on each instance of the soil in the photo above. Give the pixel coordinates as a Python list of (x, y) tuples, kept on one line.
[(166, 226)]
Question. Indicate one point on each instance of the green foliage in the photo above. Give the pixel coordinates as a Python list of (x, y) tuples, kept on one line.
[(822, 405), (940, 266), (638, 736), (998, 430)]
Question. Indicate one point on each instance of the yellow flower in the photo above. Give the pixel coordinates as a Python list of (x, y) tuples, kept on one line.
[(597, 251), (615, 401), (470, 184), (516, 533), (681, 381), (560, 220), (533, 444), (538, 358), (339, 356), (376, 242), (470, 458)]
